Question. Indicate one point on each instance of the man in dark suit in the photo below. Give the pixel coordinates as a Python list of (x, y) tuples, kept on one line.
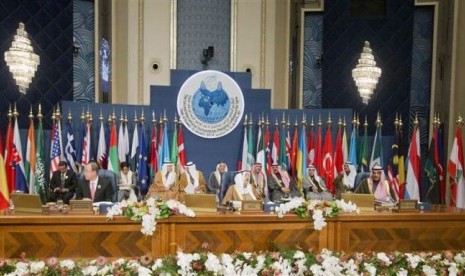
[(62, 184), (94, 187)]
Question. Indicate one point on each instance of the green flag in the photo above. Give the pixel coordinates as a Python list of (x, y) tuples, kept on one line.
[(174, 145), (250, 147), (41, 187)]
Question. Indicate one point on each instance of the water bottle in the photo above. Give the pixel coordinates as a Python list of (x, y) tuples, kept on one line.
[(11, 208)]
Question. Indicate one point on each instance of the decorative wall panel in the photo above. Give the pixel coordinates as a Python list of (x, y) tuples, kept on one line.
[(84, 61), (200, 24), (312, 60)]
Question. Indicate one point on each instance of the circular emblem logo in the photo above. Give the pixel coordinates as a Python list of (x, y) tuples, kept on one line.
[(210, 104)]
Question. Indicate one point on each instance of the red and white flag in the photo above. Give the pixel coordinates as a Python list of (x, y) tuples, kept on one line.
[(455, 169), (412, 189)]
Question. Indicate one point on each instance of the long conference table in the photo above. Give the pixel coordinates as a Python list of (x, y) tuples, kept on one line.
[(89, 236)]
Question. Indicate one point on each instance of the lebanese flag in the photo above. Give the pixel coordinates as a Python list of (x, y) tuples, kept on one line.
[(328, 161), (412, 189), (455, 169)]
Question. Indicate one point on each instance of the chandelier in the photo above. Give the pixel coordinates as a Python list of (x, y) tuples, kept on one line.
[(366, 74), (21, 59)]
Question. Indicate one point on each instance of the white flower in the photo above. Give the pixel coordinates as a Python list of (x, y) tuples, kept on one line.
[(413, 260), (37, 267), (370, 268), (452, 269), (143, 271), (148, 225), (213, 263), (299, 255), (383, 258), (459, 258), (157, 264), (316, 269), (104, 271), (90, 270), (428, 270), (67, 264), (402, 272)]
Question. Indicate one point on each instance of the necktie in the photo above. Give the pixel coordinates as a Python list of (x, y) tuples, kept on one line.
[(92, 189)]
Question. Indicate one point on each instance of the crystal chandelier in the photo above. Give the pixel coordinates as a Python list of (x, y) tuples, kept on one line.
[(366, 74), (21, 59)]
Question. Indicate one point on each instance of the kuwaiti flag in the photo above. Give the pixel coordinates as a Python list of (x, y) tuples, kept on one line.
[(165, 146), (412, 190), (250, 146), (455, 169), (113, 160), (20, 177)]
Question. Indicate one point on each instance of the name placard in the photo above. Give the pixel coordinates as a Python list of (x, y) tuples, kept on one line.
[(83, 206), (252, 206), (407, 205)]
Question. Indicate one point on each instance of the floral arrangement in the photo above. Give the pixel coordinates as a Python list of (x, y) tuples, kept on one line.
[(316, 209), (148, 212), (291, 262)]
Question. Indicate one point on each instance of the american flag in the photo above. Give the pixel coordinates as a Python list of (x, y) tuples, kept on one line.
[(56, 150)]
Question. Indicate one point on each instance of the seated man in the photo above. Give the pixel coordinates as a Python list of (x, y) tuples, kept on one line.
[(377, 185), (165, 186), (344, 183), (241, 190), (259, 181), (63, 184), (214, 180), (281, 185), (127, 183), (94, 187), (314, 186), (191, 182)]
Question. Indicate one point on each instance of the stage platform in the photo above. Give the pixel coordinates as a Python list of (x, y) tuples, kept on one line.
[(89, 236)]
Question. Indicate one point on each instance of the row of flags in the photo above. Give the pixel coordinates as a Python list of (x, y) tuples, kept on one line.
[(145, 155), (295, 147)]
